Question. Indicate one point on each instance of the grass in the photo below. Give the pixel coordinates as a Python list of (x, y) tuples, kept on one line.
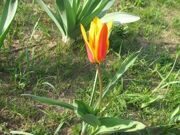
[(35, 61)]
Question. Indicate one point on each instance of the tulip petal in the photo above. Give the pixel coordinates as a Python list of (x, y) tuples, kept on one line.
[(103, 43), (88, 47), (98, 27), (84, 34), (98, 23), (90, 55), (92, 34)]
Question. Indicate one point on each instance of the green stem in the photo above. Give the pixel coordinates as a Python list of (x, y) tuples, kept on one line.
[(84, 125), (100, 85), (94, 87)]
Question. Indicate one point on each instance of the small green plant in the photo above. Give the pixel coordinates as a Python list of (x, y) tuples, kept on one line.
[(97, 45), (69, 14), (6, 18)]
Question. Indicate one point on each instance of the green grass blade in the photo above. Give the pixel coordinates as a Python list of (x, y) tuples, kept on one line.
[(57, 131), (52, 16), (169, 83), (127, 63), (175, 112), (94, 87), (20, 133), (8, 14), (167, 76), (152, 100), (50, 101), (175, 116)]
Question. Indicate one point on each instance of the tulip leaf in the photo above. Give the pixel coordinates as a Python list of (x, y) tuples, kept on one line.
[(70, 16), (51, 15), (67, 15), (76, 6), (119, 18), (50, 101), (82, 108), (106, 8), (86, 20), (60, 4), (71, 13), (127, 63), (8, 14), (86, 113), (111, 125), (86, 8), (109, 5), (91, 120)]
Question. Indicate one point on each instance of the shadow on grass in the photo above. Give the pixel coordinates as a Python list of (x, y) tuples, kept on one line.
[(124, 43), (65, 68)]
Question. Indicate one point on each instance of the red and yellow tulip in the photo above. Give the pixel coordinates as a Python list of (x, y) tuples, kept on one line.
[(97, 40)]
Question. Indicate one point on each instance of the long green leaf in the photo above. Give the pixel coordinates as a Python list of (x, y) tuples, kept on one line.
[(61, 15), (70, 15), (111, 125), (92, 7), (50, 101), (87, 4), (75, 6), (52, 16), (87, 19), (67, 15), (119, 18), (127, 63), (107, 7), (60, 4), (8, 14)]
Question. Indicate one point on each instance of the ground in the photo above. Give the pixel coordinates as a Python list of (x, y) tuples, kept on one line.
[(35, 61)]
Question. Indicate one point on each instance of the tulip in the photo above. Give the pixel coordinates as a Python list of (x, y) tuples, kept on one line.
[(97, 40)]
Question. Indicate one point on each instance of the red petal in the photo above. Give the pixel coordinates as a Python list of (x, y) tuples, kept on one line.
[(103, 43)]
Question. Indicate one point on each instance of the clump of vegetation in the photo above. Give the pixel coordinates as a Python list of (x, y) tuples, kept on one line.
[(71, 13)]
